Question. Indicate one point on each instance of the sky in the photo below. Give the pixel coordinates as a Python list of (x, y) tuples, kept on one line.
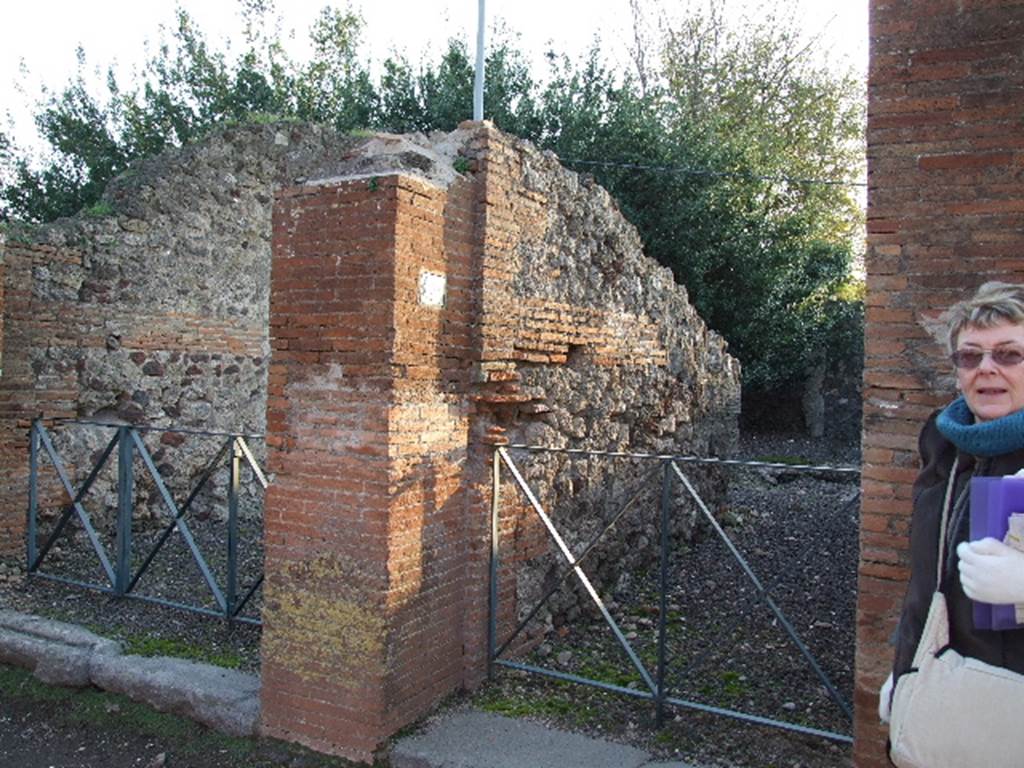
[(44, 34)]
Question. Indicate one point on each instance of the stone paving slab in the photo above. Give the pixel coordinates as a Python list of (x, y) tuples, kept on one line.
[(474, 739), (57, 653), (64, 654)]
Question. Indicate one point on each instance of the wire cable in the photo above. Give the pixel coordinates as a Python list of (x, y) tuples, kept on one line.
[(684, 171)]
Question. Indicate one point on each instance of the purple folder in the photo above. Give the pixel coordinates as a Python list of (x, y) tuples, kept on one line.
[(993, 500)]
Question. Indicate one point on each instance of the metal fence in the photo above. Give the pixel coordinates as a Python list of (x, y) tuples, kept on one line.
[(121, 569), (656, 686)]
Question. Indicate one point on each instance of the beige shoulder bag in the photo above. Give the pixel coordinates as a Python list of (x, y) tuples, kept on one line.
[(950, 711)]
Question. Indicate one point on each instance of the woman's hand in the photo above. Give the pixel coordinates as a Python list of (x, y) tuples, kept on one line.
[(885, 699), (991, 572)]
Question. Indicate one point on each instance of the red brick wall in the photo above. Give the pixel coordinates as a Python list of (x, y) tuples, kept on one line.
[(945, 213), (325, 513)]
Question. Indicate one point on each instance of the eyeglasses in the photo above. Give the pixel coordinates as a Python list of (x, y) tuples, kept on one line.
[(969, 359)]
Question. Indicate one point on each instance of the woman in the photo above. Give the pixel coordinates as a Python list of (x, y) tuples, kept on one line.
[(980, 433)]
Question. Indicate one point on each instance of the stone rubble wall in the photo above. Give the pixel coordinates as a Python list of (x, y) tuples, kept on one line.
[(154, 309), (151, 308), (587, 343)]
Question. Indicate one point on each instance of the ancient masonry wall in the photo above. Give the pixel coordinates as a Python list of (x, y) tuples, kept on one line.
[(945, 213), (153, 313), (382, 407), (585, 343), (69, 359)]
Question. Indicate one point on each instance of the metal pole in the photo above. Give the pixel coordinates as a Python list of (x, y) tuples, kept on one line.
[(478, 83), (233, 484), (666, 489), (492, 619), (33, 496), (124, 513)]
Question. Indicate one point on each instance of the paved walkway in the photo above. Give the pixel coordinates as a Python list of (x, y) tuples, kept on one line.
[(473, 739)]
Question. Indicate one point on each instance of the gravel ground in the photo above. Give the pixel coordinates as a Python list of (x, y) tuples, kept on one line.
[(724, 647), (173, 575)]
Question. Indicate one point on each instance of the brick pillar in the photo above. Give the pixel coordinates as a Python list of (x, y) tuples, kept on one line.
[(945, 213), (368, 543)]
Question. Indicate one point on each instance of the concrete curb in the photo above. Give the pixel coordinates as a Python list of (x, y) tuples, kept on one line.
[(63, 654)]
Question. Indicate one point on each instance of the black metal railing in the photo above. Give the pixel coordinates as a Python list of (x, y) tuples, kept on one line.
[(654, 684), (121, 577)]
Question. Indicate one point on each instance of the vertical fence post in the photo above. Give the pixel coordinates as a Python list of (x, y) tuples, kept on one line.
[(233, 486), (33, 495), (666, 489), (125, 493), (492, 619)]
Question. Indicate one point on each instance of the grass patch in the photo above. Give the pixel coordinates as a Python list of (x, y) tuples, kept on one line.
[(559, 700), (146, 645), (665, 737), (112, 713), (734, 685), (607, 672), (20, 683)]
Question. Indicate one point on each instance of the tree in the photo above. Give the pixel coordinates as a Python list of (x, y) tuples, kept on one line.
[(441, 97), (334, 87), (790, 129)]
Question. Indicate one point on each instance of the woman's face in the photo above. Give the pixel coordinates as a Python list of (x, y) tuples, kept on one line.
[(992, 390)]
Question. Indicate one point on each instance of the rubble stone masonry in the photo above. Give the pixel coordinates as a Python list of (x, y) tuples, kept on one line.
[(945, 214), (386, 309)]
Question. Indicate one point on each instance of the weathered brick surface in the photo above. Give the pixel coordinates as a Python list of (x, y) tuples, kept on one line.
[(945, 213), (381, 411)]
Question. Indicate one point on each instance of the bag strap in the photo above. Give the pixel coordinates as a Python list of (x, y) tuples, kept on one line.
[(947, 502)]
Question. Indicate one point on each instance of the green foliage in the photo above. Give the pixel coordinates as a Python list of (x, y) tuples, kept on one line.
[(714, 155), (563, 701), (99, 209)]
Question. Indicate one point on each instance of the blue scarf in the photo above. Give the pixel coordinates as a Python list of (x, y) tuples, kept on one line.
[(986, 438)]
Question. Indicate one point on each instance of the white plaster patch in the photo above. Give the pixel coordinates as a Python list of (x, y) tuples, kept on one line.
[(432, 288)]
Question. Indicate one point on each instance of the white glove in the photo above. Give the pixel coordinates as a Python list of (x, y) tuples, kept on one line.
[(991, 572), (885, 699)]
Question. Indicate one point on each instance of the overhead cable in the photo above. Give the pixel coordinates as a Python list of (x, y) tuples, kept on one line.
[(685, 171)]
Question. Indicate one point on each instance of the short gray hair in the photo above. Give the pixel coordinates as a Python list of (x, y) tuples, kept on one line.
[(992, 304)]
